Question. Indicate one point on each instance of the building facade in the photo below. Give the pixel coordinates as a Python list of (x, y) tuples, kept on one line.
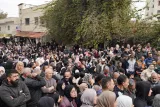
[(31, 21), (31, 18), (152, 9), (8, 26)]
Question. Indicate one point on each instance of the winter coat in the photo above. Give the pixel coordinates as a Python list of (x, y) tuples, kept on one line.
[(11, 96), (142, 91), (34, 86)]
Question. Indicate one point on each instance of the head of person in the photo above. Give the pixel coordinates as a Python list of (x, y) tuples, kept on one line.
[(107, 99), (89, 97), (148, 45), (151, 67), (27, 72), (124, 101), (158, 62), (46, 102), (67, 75), (48, 73), (70, 92), (12, 77), (98, 79), (106, 70), (37, 70), (2, 71), (154, 62), (123, 81), (121, 71), (132, 85), (20, 67), (116, 75), (154, 77), (119, 64), (139, 49), (103, 61), (131, 57), (83, 87), (60, 88), (143, 89), (149, 54), (142, 58), (156, 101), (33, 65), (107, 84)]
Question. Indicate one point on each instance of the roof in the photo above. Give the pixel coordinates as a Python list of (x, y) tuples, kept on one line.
[(30, 34), (9, 19)]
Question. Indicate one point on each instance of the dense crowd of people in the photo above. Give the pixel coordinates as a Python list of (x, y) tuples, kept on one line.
[(52, 75)]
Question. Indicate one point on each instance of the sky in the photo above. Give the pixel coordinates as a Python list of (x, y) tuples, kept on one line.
[(11, 6)]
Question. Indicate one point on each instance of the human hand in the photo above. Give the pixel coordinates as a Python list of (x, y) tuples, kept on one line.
[(34, 74)]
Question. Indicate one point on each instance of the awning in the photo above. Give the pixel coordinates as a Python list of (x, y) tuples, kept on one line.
[(5, 35), (30, 34)]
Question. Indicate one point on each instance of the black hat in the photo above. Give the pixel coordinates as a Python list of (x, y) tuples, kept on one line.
[(10, 71)]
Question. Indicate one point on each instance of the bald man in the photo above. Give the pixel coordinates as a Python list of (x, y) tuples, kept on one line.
[(154, 79), (50, 82)]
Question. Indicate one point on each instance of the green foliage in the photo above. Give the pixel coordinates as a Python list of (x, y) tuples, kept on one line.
[(3, 15), (90, 22)]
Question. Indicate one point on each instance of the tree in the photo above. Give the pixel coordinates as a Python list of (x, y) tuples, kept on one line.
[(90, 22), (3, 15)]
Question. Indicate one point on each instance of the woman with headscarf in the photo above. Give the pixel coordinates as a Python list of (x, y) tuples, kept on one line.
[(156, 101), (106, 99), (89, 98), (143, 90), (69, 99), (82, 87), (124, 101), (46, 102)]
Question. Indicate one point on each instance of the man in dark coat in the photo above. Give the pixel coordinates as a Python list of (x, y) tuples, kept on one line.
[(13, 93), (34, 83)]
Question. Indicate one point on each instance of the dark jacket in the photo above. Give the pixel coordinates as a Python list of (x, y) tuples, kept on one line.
[(14, 96), (2, 78), (46, 102), (118, 92), (142, 91), (34, 86)]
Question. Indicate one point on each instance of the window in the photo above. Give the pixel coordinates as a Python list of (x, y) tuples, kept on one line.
[(0, 28), (36, 20), (20, 11), (158, 18), (158, 11), (153, 6), (8, 27), (27, 21), (159, 3), (21, 21), (42, 20)]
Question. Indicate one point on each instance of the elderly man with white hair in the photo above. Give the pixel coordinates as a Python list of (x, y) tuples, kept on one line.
[(2, 74), (51, 84), (34, 82)]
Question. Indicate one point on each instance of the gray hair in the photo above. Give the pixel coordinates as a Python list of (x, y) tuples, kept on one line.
[(156, 101), (26, 70), (37, 70)]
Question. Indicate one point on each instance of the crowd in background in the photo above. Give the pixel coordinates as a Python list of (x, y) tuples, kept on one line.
[(52, 75)]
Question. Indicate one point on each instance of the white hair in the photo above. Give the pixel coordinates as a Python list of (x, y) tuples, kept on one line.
[(26, 70)]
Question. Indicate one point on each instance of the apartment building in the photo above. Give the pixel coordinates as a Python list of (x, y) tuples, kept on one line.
[(31, 21), (8, 26), (152, 9)]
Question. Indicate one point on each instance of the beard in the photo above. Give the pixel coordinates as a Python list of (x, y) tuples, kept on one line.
[(15, 83)]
